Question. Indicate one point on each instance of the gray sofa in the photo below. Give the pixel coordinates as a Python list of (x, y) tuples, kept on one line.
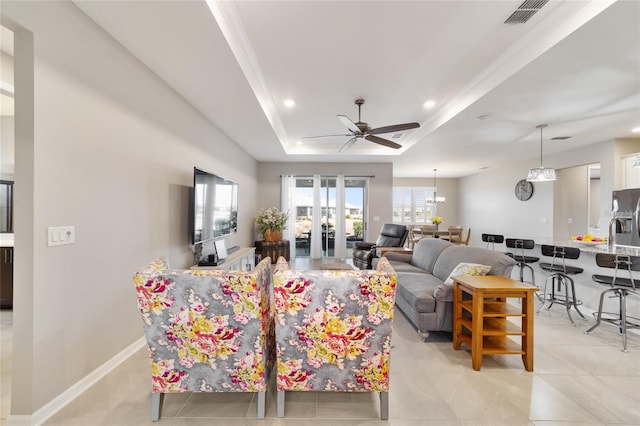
[(421, 293)]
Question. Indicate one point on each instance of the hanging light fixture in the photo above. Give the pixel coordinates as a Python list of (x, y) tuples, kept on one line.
[(435, 198), (540, 174)]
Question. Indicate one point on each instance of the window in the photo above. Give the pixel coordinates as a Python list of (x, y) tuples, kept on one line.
[(410, 206)]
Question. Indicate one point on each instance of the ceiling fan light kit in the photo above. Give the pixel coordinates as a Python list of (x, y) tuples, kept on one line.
[(541, 174), (362, 130)]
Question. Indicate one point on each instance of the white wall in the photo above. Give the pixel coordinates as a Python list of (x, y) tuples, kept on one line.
[(380, 186), (101, 144), (488, 204)]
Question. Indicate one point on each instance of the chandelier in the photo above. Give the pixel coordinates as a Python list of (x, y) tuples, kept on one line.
[(540, 174), (435, 199)]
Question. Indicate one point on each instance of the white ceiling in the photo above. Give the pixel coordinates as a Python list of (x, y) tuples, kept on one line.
[(574, 66)]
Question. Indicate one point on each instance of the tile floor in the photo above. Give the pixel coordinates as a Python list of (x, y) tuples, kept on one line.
[(578, 380)]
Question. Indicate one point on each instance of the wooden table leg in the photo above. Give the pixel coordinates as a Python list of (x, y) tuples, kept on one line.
[(476, 329), (527, 327), (457, 314)]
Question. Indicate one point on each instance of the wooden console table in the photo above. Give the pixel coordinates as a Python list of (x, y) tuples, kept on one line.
[(241, 259), (481, 319), (273, 249)]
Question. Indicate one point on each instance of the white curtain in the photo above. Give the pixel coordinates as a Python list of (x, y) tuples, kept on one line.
[(288, 201), (316, 219), (340, 250)]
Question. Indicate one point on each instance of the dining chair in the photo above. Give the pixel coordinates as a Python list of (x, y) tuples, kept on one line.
[(455, 234)]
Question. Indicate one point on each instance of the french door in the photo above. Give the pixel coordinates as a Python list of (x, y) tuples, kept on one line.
[(329, 215)]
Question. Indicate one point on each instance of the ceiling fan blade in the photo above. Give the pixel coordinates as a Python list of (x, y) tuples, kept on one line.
[(324, 136), (348, 144), (382, 141), (348, 123), (394, 128)]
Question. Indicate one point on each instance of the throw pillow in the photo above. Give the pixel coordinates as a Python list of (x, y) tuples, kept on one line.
[(476, 269)]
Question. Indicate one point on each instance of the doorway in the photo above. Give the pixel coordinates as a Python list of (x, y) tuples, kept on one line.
[(341, 203)]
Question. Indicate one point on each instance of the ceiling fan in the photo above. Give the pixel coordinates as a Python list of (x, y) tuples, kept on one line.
[(361, 130)]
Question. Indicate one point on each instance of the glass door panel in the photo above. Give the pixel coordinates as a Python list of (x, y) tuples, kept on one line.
[(355, 203), (304, 215), (328, 200)]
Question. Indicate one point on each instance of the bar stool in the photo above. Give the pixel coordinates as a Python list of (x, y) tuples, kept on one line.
[(492, 239), (618, 287), (560, 275), (519, 245)]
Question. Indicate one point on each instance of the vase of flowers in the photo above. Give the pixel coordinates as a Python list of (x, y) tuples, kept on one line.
[(270, 223), (436, 220)]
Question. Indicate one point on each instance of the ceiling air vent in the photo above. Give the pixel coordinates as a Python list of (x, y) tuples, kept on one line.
[(560, 138), (397, 135), (525, 11)]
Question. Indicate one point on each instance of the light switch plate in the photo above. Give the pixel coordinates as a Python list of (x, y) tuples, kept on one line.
[(61, 235)]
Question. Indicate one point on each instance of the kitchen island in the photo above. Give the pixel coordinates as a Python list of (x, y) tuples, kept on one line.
[(588, 291)]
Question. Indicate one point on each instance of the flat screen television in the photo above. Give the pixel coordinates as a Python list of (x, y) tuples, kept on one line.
[(215, 206)]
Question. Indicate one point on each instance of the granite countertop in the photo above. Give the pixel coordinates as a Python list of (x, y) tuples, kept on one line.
[(6, 240), (602, 248)]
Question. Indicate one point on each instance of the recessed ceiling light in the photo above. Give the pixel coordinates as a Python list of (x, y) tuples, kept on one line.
[(635, 130), (429, 104), (289, 103)]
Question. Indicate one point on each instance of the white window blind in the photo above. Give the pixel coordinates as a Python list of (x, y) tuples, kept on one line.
[(410, 206)]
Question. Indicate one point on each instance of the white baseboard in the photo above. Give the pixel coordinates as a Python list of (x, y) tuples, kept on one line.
[(59, 402)]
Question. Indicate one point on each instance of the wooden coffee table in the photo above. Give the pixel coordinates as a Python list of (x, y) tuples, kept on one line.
[(481, 317)]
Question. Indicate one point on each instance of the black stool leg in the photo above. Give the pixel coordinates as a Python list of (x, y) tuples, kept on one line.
[(544, 293), (574, 301), (568, 301), (599, 316), (623, 318), (533, 278)]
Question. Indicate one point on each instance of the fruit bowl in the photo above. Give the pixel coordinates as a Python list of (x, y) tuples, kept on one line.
[(590, 243), (588, 240)]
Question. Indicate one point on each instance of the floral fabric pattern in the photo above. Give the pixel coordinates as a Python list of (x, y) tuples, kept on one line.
[(333, 328), (207, 331)]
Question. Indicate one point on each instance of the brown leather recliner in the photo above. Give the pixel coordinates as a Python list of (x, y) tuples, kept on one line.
[(391, 235)]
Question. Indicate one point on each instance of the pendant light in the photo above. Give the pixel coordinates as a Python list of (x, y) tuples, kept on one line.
[(540, 174), (435, 198)]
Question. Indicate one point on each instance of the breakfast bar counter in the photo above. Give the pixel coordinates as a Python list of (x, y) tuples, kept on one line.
[(587, 291)]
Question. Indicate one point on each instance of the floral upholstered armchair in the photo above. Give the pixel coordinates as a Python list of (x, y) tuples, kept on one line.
[(333, 330), (207, 330)]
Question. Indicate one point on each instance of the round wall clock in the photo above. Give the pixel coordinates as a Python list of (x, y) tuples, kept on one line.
[(524, 190)]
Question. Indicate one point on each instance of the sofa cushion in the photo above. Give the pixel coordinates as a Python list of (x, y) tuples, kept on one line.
[(451, 256), (417, 290), (427, 251), (400, 266), (464, 268)]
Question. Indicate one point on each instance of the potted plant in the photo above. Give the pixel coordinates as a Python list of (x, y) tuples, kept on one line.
[(270, 223)]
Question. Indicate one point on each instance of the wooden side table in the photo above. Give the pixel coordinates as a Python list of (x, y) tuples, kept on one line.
[(480, 317), (273, 249)]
